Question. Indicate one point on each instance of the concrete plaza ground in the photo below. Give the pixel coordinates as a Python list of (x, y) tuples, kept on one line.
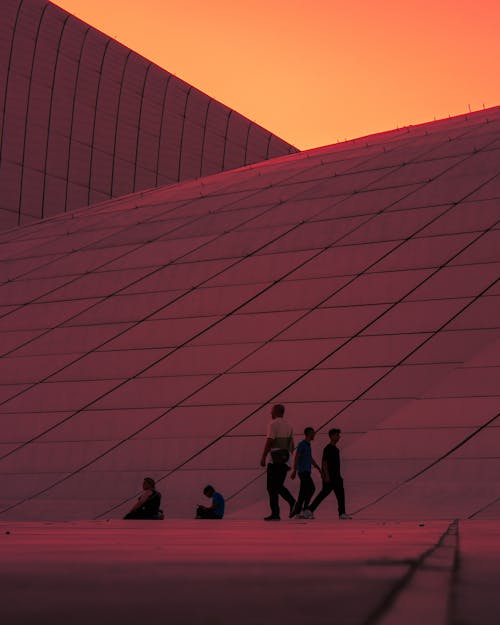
[(187, 572)]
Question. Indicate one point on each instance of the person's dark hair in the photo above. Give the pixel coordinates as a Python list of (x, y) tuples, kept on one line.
[(334, 431), (308, 430), (208, 490), (279, 409), (149, 481)]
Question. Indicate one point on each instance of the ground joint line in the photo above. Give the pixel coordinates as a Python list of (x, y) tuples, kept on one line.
[(424, 593)]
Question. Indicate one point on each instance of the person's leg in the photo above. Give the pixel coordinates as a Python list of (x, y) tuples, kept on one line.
[(338, 489), (302, 493), (324, 492), (273, 486), (306, 491), (203, 513), (309, 489), (137, 514), (283, 490)]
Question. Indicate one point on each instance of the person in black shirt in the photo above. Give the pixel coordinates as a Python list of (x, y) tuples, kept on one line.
[(148, 504), (332, 479)]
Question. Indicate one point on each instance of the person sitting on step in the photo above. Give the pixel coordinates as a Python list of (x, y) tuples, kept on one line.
[(147, 505)]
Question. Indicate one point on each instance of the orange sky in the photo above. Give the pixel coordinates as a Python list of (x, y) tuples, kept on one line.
[(318, 71)]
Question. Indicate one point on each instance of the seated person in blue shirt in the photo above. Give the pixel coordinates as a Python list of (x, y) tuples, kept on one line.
[(216, 510)]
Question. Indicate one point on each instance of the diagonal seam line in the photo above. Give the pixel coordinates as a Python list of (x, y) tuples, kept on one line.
[(429, 466), (227, 187), (402, 583), (372, 385), (372, 216), (147, 425), (369, 218), (401, 141), (128, 286), (180, 296), (197, 335), (230, 185), (90, 246), (213, 442), (63, 323), (485, 507), (152, 219), (176, 209), (390, 370), (119, 443), (109, 206)]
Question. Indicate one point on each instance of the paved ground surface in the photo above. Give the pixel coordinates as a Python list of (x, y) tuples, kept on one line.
[(250, 572)]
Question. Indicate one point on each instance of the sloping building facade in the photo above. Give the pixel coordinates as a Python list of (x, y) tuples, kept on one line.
[(84, 119), (357, 284)]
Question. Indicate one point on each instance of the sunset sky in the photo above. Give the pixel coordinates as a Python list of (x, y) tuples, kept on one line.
[(320, 71)]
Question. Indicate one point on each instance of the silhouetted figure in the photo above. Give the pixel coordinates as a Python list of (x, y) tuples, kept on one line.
[(279, 443), (302, 465), (148, 504), (216, 510), (332, 480)]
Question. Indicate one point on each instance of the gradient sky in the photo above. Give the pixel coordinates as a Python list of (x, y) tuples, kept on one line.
[(319, 71)]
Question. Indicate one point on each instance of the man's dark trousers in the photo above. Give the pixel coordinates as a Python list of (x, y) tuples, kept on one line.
[(276, 475), (337, 486), (306, 491)]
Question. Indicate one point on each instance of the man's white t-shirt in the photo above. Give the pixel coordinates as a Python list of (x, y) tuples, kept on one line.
[(282, 434)]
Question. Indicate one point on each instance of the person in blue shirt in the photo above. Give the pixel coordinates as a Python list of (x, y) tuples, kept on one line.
[(216, 510), (302, 465)]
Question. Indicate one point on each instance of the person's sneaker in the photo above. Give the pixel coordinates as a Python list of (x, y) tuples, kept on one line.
[(271, 517), (307, 514), (345, 516)]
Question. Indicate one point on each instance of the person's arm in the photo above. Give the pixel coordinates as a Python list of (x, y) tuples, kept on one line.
[(267, 447), (211, 506), (325, 474), (295, 463), (216, 502), (316, 465), (143, 497)]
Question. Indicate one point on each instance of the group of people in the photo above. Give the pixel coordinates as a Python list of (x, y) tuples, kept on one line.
[(280, 446), (148, 504)]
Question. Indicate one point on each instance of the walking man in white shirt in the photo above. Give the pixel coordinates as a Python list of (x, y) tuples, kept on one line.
[(279, 443)]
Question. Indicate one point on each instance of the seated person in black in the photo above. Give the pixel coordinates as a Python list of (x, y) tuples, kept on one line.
[(216, 510), (148, 504)]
